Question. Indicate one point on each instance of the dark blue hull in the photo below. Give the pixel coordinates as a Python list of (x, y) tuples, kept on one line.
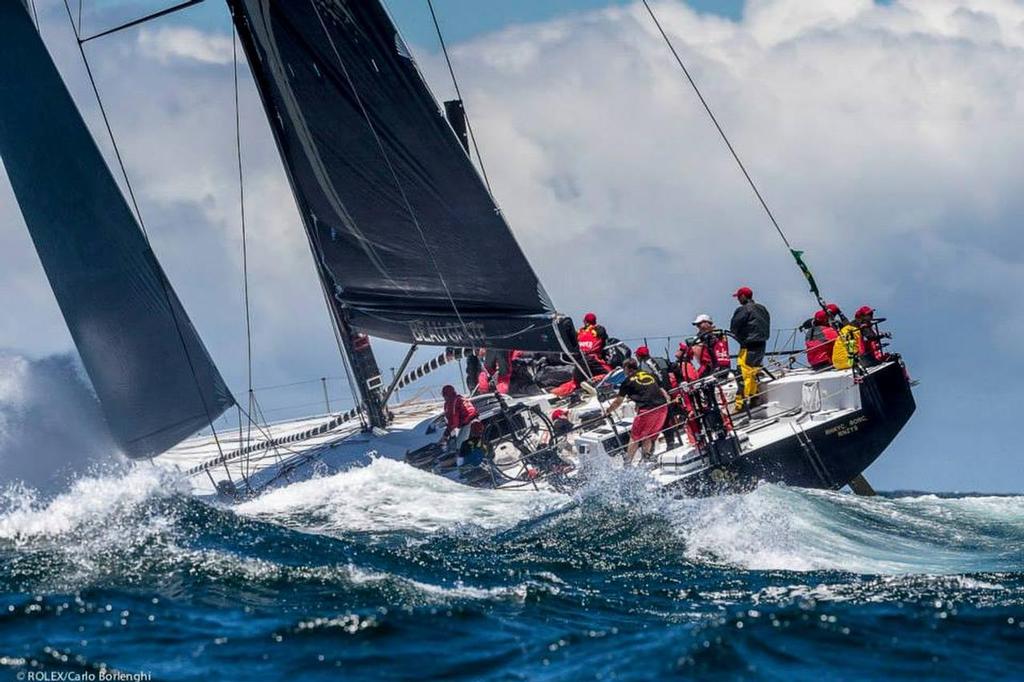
[(827, 456)]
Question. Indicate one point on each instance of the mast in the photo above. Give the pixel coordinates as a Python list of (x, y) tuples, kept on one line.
[(362, 367), (407, 240)]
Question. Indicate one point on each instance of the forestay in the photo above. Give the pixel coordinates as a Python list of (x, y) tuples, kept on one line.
[(407, 238), (155, 380)]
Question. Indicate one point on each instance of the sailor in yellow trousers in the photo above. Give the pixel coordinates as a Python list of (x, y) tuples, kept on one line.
[(751, 327)]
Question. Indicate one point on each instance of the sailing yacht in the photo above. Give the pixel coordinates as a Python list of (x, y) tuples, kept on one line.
[(404, 235)]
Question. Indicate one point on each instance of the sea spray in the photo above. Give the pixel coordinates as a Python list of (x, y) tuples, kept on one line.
[(389, 496), (386, 571), (51, 426)]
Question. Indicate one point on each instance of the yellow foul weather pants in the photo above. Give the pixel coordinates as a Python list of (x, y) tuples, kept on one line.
[(748, 376)]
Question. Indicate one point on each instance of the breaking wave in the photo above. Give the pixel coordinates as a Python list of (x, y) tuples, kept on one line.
[(770, 529), (389, 496), (51, 427), (405, 564)]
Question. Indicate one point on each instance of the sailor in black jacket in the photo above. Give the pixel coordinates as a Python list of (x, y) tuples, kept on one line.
[(752, 327)]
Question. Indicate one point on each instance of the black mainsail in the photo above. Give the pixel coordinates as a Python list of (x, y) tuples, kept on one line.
[(408, 242), (152, 374)]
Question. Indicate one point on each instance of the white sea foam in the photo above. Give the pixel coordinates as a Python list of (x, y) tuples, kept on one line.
[(775, 528), (116, 524), (108, 527), (95, 502), (388, 496)]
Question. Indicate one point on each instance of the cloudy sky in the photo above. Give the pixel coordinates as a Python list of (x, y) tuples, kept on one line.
[(885, 136)]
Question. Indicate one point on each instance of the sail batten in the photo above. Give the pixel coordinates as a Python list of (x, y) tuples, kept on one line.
[(406, 234), (154, 378)]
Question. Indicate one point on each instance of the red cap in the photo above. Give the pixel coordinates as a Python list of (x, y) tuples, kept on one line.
[(559, 414), (865, 311), (820, 318), (744, 291), (476, 428), (643, 352), (590, 318), (833, 309)]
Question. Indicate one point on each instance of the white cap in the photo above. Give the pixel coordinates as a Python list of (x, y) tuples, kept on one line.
[(703, 317)]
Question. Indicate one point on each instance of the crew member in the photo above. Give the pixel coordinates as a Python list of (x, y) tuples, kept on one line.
[(459, 413), (497, 367), (712, 347), (682, 369), (474, 365), (821, 338), (592, 340), (681, 408), (561, 425), (648, 364), (474, 449), (846, 347), (751, 327), (652, 408), (871, 351)]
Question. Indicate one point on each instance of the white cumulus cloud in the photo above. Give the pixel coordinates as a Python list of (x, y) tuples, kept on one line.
[(885, 137), (183, 43)]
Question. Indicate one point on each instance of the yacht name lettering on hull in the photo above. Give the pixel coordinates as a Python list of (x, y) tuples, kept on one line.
[(846, 428), (447, 332)]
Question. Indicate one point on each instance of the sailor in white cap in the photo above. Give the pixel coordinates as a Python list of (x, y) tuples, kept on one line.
[(712, 347)]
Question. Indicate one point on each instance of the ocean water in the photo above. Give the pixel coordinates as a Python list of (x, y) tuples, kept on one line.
[(387, 572)]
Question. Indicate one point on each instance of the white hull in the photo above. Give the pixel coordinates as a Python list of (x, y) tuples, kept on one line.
[(798, 401)]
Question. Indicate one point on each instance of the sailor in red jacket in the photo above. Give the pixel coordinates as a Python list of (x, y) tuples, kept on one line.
[(459, 413), (683, 372), (871, 350), (592, 339), (821, 338)]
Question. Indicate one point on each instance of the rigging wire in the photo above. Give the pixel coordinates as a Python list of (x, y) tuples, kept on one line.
[(458, 93), (241, 207), (164, 284), (714, 120), (322, 275), (106, 122), (35, 15)]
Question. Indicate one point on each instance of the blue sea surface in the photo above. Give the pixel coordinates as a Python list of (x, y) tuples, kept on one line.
[(387, 572)]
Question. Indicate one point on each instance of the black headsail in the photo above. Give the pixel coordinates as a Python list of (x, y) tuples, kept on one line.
[(409, 243), (155, 380)]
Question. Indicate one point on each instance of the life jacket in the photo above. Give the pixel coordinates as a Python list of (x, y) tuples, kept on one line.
[(844, 350), (722, 359), (589, 341), (714, 353), (688, 372), (870, 346), (820, 343)]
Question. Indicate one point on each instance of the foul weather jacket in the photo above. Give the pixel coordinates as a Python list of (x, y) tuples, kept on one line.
[(458, 412), (751, 324), (820, 342)]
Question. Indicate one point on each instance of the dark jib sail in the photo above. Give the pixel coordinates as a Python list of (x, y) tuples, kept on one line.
[(155, 380), (408, 238)]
